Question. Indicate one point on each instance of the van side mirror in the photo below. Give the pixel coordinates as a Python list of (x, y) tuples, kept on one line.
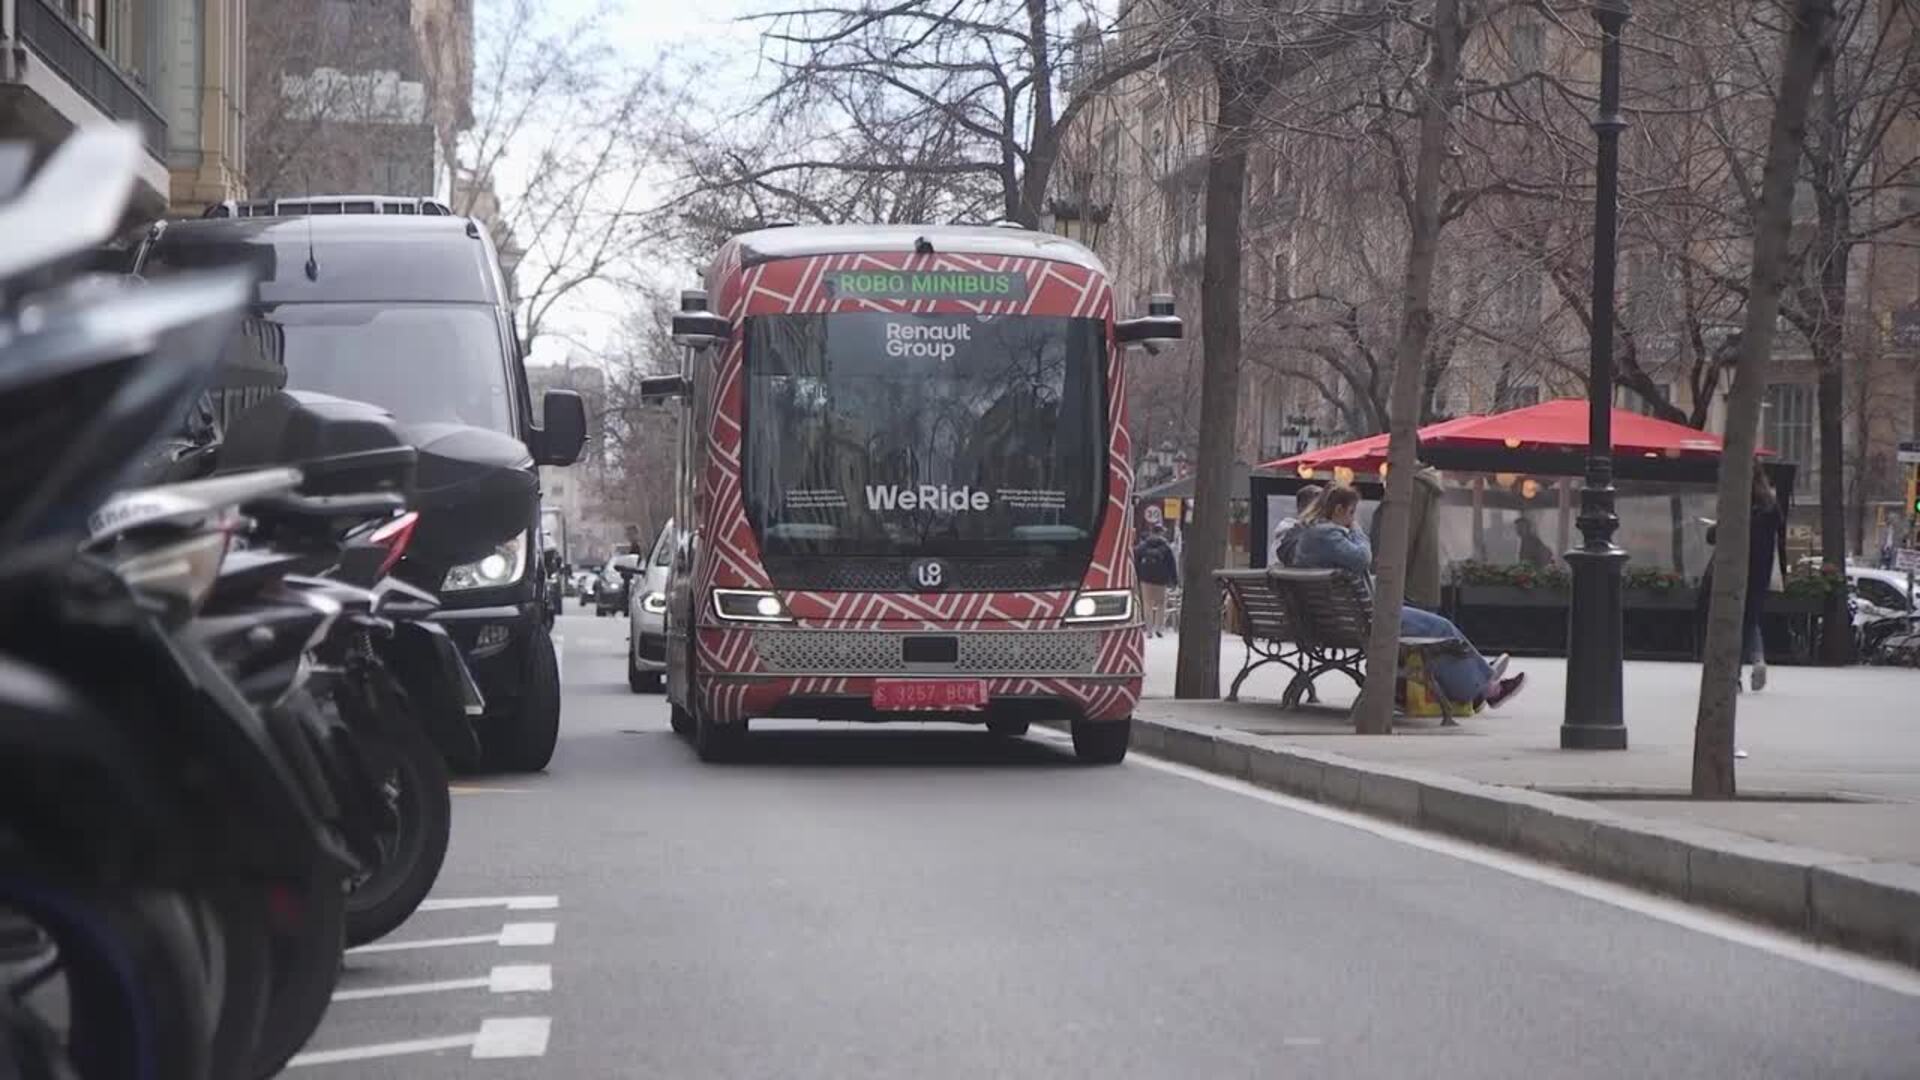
[(1159, 326), (695, 326), (563, 428)]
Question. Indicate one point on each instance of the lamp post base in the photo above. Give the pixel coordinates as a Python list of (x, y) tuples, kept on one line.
[(1594, 719)]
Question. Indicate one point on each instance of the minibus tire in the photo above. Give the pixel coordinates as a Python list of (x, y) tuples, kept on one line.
[(1102, 742)]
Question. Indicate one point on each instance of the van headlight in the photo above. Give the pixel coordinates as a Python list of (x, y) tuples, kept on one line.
[(504, 565), (654, 603), (1104, 606), (749, 605)]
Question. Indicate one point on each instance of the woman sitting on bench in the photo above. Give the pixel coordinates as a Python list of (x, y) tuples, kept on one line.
[(1329, 540)]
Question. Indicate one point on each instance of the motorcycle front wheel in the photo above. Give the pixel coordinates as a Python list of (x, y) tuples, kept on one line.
[(414, 780)]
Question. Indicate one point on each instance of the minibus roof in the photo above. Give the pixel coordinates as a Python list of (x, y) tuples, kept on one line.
[(799, 241)]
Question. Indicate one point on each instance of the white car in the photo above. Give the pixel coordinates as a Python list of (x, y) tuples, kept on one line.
[(647, 617), (1880, 593)]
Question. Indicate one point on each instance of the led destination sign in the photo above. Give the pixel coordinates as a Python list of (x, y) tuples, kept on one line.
[(970, 285)]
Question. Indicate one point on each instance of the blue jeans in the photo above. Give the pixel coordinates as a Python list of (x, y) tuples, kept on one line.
[(1464, 677)]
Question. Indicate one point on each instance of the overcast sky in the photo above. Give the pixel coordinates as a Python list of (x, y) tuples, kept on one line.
[(641, 30)]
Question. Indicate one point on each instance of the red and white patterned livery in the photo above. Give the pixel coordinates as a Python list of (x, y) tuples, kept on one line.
[(905, 470)]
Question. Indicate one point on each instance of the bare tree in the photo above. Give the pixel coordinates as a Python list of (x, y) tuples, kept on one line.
[(633, 479), (563, 154), (1250, 48), (1422, 196), (993, 84), (1871, 85), (1805, 53), (334, 99)]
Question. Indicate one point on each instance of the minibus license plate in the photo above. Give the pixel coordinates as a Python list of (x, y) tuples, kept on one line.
[(904, 695)]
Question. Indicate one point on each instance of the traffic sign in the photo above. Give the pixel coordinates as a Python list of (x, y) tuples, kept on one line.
[(1907, 559), (1909, 452)]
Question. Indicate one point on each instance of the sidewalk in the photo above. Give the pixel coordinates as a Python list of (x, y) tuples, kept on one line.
[(1824, 839), (1846, 733)]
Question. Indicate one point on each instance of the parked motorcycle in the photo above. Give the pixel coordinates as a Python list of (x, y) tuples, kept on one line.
[(389, 673), (156, 838)]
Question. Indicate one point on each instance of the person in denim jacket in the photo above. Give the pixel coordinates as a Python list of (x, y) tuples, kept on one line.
[(1329, 540)]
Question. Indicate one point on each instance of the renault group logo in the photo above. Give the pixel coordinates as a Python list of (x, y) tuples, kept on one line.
[(928, 573)]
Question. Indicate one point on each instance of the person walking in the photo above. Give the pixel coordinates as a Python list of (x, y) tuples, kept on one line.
[(1158, 570), (1766, 545)]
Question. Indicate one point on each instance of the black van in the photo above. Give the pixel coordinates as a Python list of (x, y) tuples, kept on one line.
[(412, 313)]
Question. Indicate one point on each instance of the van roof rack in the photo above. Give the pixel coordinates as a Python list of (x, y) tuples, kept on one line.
[(330, 204)]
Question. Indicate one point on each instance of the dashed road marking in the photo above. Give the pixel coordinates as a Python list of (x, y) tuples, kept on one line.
[(511, 903), (378, 1050), (512, 935), (517, 934), (503, 979), (499, 1037), (513, 1037)]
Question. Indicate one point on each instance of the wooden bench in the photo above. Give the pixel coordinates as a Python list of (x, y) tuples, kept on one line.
[(1260, 616), (1318, 621)]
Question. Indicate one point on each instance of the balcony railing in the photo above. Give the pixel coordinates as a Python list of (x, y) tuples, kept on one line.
[(55, 39)]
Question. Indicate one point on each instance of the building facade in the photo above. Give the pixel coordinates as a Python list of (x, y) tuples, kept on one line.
[(1324, 240), (171, 69), (358, 96)]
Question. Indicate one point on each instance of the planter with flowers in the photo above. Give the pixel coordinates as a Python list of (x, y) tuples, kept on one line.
[(1661, 590), (1481, 584)]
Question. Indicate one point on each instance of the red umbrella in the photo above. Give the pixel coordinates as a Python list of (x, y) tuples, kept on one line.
[(1562, 425), (1363, 456)]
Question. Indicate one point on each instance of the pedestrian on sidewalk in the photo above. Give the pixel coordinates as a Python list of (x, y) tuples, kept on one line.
[(1157, 568), (1766, 546)]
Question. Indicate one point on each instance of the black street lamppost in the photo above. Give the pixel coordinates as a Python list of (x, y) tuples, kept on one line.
[(1594, 654)]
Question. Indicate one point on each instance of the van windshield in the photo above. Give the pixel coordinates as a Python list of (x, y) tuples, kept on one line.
[(424, 363)]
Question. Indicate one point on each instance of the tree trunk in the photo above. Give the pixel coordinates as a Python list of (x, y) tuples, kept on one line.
[(1806, 50), (1198, 673), (1829, 354), (1045, 145), (1862, 449), (1373, 712)]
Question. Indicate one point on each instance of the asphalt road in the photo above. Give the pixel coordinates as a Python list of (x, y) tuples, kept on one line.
[(935, 903)]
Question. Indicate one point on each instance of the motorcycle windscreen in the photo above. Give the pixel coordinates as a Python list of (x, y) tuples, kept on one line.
[(902, 435)]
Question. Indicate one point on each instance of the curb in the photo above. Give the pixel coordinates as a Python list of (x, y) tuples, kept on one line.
[(1845, 900)]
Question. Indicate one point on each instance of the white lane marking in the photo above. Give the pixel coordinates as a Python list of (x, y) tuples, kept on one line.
[(425, 943), (1880, 973), (513, 1037), (377, 1050), (520, 979), (503, 979), (510, 935), (405, 989), (511, 903), (516, 934)]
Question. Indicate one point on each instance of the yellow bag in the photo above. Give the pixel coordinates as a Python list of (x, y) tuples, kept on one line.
[(1412, 694)]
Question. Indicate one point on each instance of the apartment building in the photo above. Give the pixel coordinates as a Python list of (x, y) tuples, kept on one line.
[(1324, 241), (172, 69), (358, 96)]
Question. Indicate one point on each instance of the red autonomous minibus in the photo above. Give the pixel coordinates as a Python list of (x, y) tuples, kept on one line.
[(905, 467)]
